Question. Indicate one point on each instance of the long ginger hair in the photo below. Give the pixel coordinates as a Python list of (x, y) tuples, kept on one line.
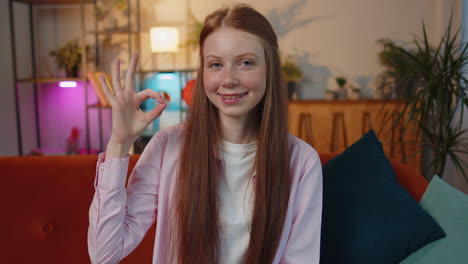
[(197, 224)]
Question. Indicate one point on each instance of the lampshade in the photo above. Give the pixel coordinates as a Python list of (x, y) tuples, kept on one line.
[(164, 39)]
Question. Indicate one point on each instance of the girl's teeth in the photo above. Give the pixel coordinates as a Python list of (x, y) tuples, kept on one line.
[(233, 96)]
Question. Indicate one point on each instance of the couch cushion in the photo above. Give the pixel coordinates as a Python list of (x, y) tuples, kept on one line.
[(367, 216), (407, 177), (449, 207)]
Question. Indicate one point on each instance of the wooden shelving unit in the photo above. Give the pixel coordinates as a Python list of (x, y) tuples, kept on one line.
[(131, 30), (54, 2), (34, 79), (99, 106), (48, 80), (112, 32)]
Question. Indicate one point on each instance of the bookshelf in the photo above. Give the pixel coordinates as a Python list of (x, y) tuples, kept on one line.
[(48, 80), (23, 26), (30, 82), (54, 2)]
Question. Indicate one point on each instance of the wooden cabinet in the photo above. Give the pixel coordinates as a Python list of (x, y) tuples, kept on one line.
[(332, 126)]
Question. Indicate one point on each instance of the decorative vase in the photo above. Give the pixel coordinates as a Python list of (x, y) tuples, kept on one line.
[(330, 96), (292, 91), (354, 95), (72, 141)]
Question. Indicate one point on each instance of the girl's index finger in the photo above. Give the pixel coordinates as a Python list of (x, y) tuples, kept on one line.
[(130, 76)]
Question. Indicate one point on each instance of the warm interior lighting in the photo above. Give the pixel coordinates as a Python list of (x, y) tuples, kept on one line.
[(164, 39), (166, 76), (67, 84)]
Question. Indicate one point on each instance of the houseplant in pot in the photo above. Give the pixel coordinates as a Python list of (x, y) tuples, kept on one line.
[(68, 57), (341, 81), (292, 74), (437, 94)]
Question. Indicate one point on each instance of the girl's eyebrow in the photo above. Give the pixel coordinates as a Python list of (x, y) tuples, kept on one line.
[(238, 56), (247, 54)]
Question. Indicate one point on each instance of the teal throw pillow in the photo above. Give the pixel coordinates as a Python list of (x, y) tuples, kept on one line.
[(449, 207)]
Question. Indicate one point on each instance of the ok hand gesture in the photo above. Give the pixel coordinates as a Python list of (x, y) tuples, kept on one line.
[(128, 120)]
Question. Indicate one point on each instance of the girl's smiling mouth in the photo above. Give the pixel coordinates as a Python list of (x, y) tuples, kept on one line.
[(232, 98)]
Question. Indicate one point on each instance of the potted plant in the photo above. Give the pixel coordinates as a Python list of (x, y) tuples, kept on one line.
[(292, 74), (68, 57), (437, 97), (397, 64), (341, 81), (354, 93), (330, 95)]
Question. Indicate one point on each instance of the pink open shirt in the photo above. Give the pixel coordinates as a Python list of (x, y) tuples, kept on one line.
[(119, 218)]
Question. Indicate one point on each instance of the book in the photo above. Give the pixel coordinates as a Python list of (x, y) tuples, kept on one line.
[(93, 78)]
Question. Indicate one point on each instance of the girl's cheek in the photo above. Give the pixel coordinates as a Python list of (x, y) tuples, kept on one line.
[(211, 82), (254, 80)]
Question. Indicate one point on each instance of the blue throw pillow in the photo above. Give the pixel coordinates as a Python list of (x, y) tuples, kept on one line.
[(367, 217)]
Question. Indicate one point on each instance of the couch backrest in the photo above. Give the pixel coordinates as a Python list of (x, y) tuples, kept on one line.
[(46, 201), (45, 217)]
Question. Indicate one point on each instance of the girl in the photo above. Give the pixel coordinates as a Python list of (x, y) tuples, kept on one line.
[(227, 186)]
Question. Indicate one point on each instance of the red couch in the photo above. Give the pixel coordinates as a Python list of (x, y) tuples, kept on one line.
[(46, 201)]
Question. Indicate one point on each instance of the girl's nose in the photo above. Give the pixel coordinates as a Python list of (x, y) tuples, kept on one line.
[(230, 77)]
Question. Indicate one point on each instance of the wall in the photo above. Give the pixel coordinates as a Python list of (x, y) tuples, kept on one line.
[(8, 136), (8, 140), (452, 176)]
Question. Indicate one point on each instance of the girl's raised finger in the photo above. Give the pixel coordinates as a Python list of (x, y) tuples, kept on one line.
[(130, 76)]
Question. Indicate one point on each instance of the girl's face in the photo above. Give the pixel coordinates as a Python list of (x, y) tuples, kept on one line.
[(234, 72)]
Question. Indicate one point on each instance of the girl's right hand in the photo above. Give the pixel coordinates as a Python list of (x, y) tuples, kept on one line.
[(128, 120)]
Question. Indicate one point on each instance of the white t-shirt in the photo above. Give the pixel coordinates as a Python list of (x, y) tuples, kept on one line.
[(236, 196)]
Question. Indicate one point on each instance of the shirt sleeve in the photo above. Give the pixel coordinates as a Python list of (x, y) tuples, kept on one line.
[(303, 245), (119, 217)]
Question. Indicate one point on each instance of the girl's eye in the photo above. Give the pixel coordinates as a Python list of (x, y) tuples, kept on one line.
[(247, 63), (215, 65)]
